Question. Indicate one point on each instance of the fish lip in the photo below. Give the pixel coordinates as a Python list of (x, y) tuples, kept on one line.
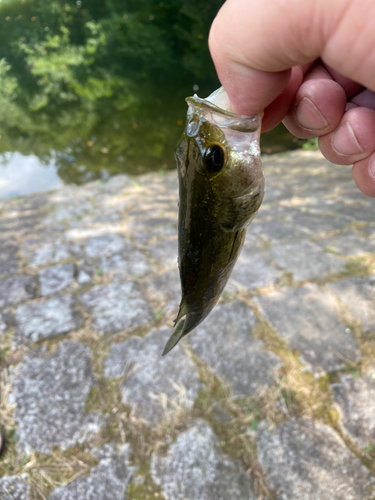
[(242, 123)]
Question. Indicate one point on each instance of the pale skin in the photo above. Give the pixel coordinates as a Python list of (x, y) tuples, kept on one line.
[(308, 63)]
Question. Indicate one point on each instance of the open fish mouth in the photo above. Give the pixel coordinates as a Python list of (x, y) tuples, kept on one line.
[(221, 186)]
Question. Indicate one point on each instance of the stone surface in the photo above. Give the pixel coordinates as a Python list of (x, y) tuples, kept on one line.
[(226, 343), (103, 246), (41, 320), (48, 252), (14, 290), (355, 400), (306, 317), (253, 271), (195, 468), (165, 289), (305, 260), (116, 307), (358, 295), (349, 243), (107, 481), (305, 460), (165, 252), (14, 488), (279, 230), (318, 223), (133, 264), (56, 278), (9, 262), (154, 384), (50, 392)]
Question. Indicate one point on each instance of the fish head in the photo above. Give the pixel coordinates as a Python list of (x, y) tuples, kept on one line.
[(221, 186)]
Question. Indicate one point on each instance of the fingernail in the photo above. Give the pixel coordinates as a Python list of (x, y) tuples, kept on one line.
[(344, 141), (308, 115)]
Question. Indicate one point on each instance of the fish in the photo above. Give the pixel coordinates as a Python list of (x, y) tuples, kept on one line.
[(221, 188)]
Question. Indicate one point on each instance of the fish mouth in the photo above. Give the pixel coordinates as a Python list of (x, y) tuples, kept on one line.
[(214, 108)]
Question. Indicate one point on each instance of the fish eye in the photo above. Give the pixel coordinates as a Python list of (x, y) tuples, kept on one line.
[(214, 159)]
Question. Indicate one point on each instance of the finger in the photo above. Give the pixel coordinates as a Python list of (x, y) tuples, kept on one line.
[(353, 140), (364, 175), (366, 99), (318, 106), (350, 87)]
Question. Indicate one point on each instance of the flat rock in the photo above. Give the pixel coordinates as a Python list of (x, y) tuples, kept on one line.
[(165, 252), (116, 307), (305, 260), (165, 289), (56, 278), (14, 290), (358, 295), (132, 264), (349, 243), (9, 263), (107, 481), (14, 488), (46, 253), (5, 320), (226, 343), (50, 392), (306, 317), (279, 230), (40, 320), (318, 223), (253, 271), (106, 245), (195, 468), (355, 400), (305, 460), (150, 379)]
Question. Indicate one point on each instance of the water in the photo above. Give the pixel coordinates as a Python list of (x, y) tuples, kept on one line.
[(89, 90)]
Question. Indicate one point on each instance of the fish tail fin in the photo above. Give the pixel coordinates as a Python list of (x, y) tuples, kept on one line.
[(181, 312), (177, 335)]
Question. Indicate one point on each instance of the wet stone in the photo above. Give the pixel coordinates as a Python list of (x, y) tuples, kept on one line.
[(358, 295), (55, 279), (226, 343), (116, 307), (305, 460), (14, 488), (50, 392), (107, 481), (151, 380), (305, 260), (306, 317), (41, 320), (14, 290), (196, 468), (349, 243), (355, 400), (253, 271)]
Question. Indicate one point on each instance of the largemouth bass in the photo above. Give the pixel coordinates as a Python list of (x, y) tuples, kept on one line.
[(221, 187)]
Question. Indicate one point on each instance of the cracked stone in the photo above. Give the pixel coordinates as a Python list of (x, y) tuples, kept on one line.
[(132, 264), (306, 317), (355, 400), (50, 392), (165, 252), (318, 223), (279, 230), (226, 343), (107, 481), (14, 488), (166, 289), (49, 252), (305, 260), (56, 278), (116, 307), (14, 290), (195, 467), (303, 460), (358, 295), (9, 264), (151, 380), (41, 320)]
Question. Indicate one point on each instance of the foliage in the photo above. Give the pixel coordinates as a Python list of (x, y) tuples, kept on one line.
[(99, 86)]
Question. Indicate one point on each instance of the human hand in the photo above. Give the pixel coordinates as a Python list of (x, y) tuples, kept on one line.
[(308, 63)]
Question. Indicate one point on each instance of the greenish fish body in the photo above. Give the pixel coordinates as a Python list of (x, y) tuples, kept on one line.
[(221, 187)]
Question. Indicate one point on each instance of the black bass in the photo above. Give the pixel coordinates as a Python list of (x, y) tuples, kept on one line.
[(221, 187)]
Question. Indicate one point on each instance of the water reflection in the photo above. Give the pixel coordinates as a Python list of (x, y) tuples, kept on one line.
[(96, 88)]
